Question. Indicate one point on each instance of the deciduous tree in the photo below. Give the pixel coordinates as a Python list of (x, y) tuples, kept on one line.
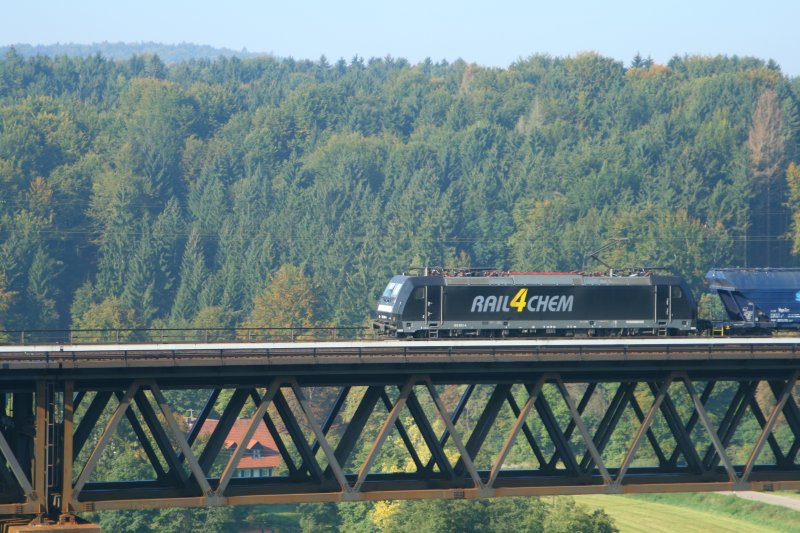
[(793, 181), (289, 300), (6, 298), (767, 144)]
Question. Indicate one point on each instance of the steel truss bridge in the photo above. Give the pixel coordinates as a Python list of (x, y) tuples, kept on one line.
[(468, 419)]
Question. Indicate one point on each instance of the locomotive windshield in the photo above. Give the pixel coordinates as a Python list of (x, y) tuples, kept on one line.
[(391, 292)]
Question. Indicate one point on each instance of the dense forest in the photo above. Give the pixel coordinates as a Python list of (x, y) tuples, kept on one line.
[(140, 194), (169, 53)]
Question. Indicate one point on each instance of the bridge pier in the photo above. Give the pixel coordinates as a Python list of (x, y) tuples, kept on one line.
[(35, 427)]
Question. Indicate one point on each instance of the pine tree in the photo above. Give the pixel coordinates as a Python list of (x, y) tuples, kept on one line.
[(193, 275)]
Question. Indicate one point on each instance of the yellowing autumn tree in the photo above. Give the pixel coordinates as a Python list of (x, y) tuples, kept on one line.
[(793, 181), (5, 299), (767, 143), (767, 139), (288, 301), (107, 321)]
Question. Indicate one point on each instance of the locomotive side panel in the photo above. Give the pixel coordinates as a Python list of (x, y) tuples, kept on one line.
[(543, 303)]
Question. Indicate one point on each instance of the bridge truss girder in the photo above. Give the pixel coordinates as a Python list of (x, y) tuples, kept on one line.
[(332, 451)]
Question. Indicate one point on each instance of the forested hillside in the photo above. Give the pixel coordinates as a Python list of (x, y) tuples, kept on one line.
[(169, 53), (136, 194)]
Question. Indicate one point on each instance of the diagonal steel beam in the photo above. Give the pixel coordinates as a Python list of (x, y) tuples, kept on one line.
[(16, 469), (709, 427), (294, 472), (438, 456), (309, 462), (336, 408), (693, 419), (141, 436), (9, 488), (648, 421), (390, 421), (678, 430), (105, 438), (197, 425), (587, 395), (791, 411), (355, 428), (460, 408), (79, 396), (609, 422), (562, 447), (21, 436), (89, 421), (537, 451), (162, 440), (792, 415), (587, 439), (220, 434), (451, 428), (730, 422), (401, 430), (308, 454), (651, 438), (512, 436), (485, 423), (762, 420), (791, 455), (333, 462), (180, 438), (241, 446), (776, 412)]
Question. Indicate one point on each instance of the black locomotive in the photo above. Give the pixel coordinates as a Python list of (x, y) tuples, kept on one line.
[(488, 303)]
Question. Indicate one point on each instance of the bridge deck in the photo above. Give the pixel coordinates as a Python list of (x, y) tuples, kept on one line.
[(76, 356)]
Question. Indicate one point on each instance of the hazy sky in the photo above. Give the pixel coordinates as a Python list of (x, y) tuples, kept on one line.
[(490, 33)]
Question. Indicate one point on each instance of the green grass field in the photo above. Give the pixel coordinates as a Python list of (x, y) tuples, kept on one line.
[(689, 513)]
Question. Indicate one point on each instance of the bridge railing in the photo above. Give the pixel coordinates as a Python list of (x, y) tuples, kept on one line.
[(180, 335)]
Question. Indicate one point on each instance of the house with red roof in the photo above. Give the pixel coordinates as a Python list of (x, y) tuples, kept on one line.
[(261, 455)]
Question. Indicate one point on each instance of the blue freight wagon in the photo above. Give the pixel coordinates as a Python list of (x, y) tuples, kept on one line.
[(758, 297)]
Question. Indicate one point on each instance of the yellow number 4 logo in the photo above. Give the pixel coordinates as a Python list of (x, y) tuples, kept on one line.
[(520, 300)]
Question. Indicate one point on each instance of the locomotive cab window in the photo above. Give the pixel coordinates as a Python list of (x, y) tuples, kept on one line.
[(391, 292), (388, 291), (676, 292), (389, 288), (419, 293)]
